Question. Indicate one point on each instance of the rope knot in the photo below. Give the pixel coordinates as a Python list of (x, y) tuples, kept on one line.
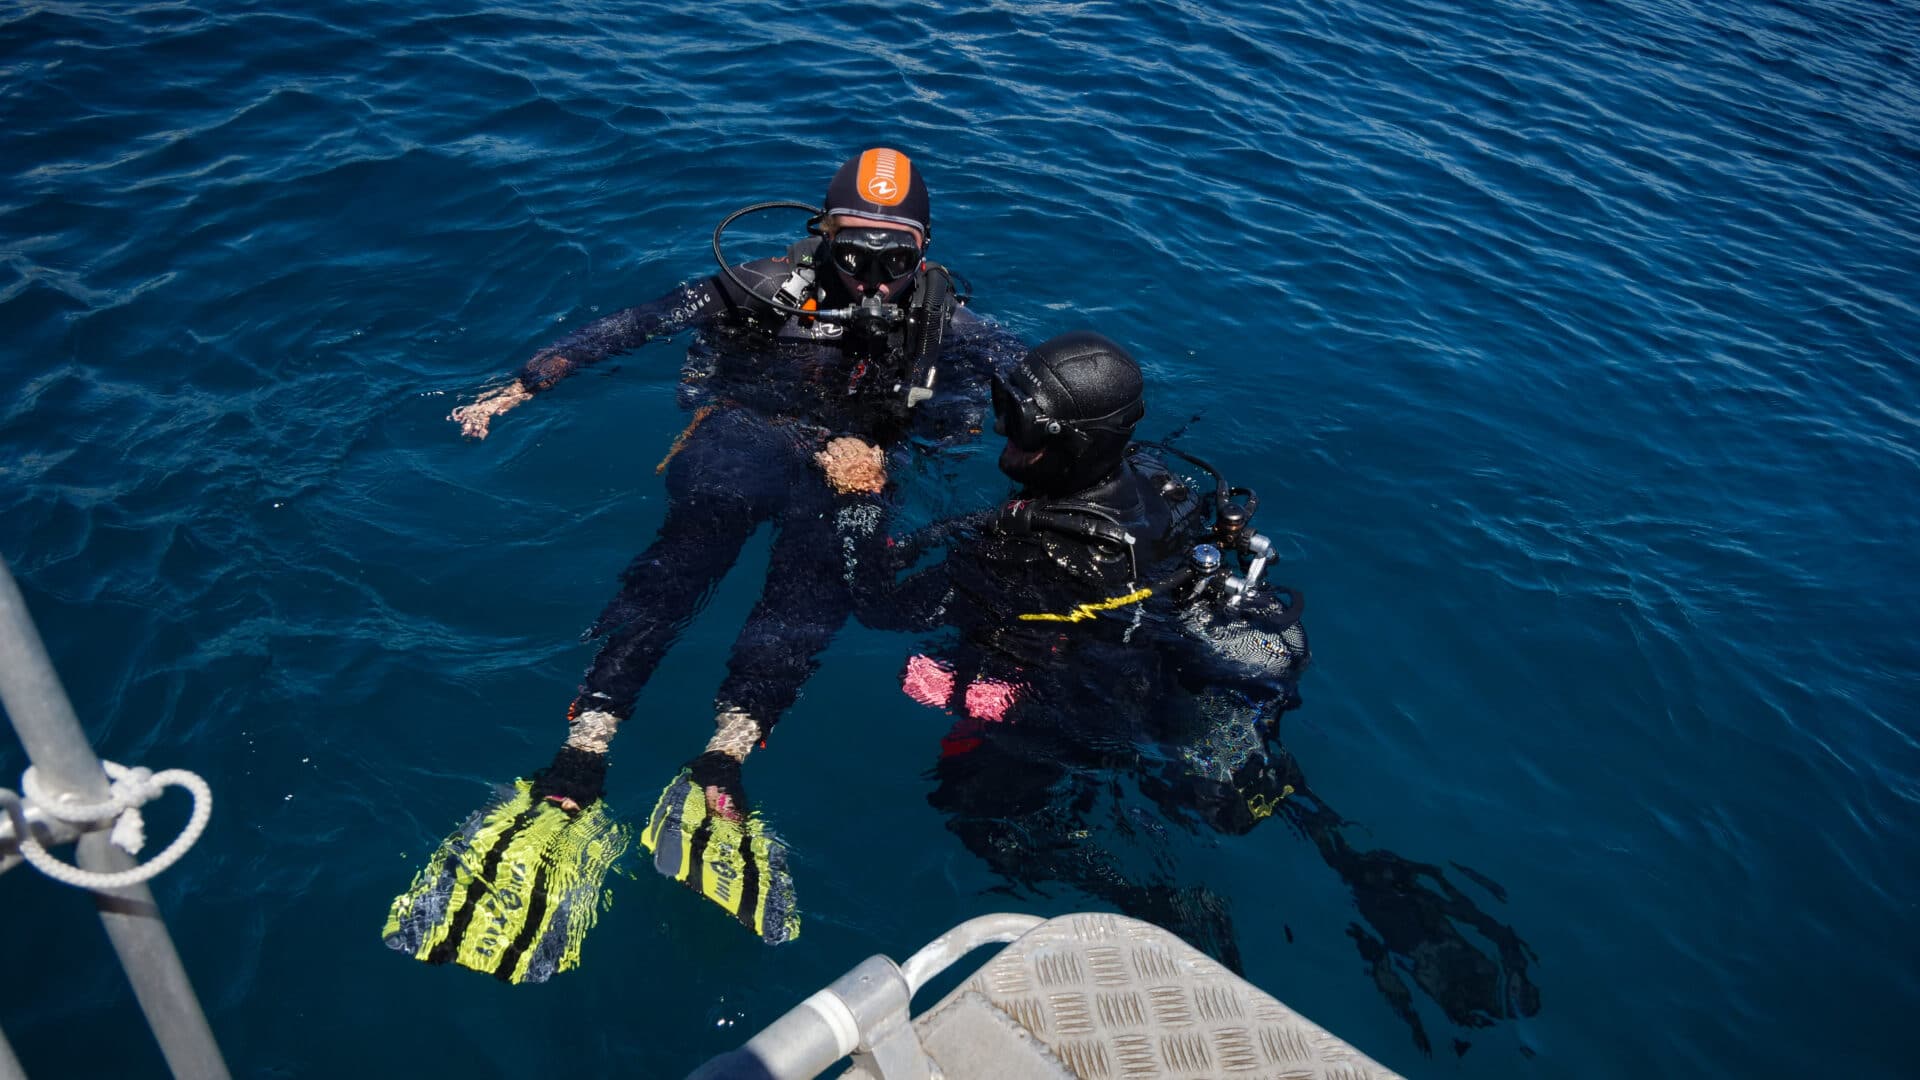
[(130, 789)]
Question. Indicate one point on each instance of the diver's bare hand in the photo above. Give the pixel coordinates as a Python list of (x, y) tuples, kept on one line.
[(473, 419), (853, 466)]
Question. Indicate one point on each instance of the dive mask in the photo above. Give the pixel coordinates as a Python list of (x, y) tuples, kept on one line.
[(1017, 416), (872, 256)]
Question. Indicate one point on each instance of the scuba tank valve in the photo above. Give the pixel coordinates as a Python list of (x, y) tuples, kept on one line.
[(1239, 585)]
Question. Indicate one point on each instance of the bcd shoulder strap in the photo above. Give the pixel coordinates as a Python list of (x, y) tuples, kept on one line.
[(928, 322)]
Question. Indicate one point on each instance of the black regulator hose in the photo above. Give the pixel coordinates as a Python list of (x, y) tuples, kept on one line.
[(813, 226), (1222, 494), (893, 314)]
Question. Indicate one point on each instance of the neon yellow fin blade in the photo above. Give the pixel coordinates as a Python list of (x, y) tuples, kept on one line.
[(513, 892), (739, 865)]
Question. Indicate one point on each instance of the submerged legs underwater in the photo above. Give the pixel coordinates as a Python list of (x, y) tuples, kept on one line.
[(1040, 810)]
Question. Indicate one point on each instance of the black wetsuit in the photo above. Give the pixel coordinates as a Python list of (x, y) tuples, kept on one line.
[(1180, 701), (766, 391)]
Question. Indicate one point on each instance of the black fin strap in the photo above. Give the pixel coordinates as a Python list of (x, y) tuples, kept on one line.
[(580, 775), (716, 769)]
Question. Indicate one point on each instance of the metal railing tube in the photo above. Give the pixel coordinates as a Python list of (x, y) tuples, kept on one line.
[(56, 745), (803, 1042), (867, 1012), (863, 1013), (937, 955), (9, 1065), (57, 748)]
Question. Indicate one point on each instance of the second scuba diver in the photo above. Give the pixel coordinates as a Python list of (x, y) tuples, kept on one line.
[(836, 354), (1111, 623)]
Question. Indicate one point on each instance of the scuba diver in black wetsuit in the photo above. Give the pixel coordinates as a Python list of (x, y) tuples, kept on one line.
[(831, 357), (1104, 636)]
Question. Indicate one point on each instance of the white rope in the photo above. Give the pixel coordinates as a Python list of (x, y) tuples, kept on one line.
[(131, 789)]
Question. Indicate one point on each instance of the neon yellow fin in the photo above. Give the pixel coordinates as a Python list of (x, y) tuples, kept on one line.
[(513, 892), (739, 865)]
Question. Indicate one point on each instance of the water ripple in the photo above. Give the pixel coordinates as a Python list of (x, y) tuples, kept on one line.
[(1571, 349)]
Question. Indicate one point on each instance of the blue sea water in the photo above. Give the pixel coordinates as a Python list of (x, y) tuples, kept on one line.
[(1570, 345)]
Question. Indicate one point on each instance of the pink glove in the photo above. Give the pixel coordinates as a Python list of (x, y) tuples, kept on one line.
[(928, 681), (989, 699)]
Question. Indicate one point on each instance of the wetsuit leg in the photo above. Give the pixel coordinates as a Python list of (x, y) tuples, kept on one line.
[(1414, 922), (802, 606), (714, 505)]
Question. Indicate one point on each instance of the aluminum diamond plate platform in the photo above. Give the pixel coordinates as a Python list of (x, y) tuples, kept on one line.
[(1095, 996)]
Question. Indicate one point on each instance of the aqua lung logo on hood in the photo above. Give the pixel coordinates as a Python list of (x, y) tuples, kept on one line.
[(882, 179)]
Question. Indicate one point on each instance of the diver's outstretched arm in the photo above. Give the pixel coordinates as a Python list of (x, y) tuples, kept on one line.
[(620, 332), (882, 599), (871, 558)]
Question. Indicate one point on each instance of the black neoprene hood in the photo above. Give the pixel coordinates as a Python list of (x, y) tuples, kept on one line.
[(1081, 376), (882, 184), (1077, 398)]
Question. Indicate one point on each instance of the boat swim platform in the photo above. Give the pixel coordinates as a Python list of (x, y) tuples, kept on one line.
[(1084, 995)]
